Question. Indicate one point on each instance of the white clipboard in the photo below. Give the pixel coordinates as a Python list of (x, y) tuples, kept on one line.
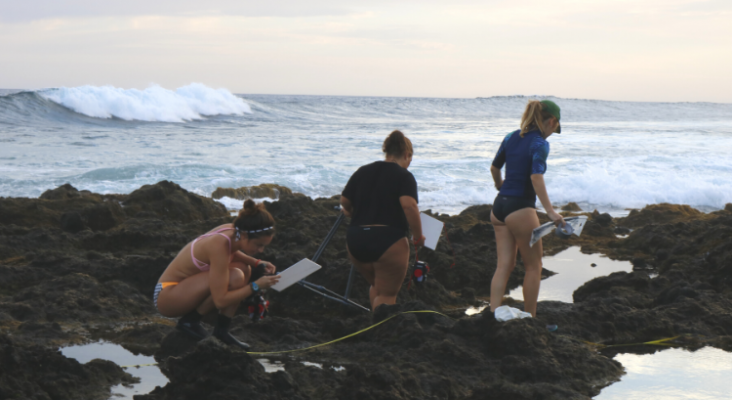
[(578, 223), (431, 229), (295, 273)]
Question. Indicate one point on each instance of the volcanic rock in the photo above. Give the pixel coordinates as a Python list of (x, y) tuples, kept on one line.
[(269, 190), (77, 266), (571, 207)]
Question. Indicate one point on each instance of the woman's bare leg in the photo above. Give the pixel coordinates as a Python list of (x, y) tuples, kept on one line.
[(521, 224), (367, 271), (386, 275), (208, 305), (389, 272), (236, 281), (506, 249), (194, 293)]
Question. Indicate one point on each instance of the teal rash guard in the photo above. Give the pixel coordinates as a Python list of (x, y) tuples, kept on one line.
[(523, 157)]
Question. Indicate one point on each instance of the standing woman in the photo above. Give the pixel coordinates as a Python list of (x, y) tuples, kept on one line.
[(524, 152), (213, 272), (381, 199)]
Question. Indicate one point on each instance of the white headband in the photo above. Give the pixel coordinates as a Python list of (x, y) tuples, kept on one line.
[(238, 232)]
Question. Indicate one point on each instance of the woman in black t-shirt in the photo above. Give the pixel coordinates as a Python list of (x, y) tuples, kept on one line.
[(381, 199)]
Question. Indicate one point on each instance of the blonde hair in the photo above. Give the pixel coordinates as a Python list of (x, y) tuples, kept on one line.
[(534, 117), (396, 144), (255, 220)]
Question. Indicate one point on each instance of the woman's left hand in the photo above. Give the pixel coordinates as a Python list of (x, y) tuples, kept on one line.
[(556, 218), (269, 268)]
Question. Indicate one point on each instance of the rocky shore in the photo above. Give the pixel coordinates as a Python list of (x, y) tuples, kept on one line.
[(77, 266)]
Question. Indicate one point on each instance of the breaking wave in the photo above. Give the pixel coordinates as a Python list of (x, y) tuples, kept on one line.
[(192, 102)]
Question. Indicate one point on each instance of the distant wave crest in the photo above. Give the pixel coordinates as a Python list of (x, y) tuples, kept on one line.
[(191, 102)]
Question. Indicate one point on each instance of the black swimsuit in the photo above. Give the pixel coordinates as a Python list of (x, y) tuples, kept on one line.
[(369, 243), (378, 219), (523, 157), (505, 205)]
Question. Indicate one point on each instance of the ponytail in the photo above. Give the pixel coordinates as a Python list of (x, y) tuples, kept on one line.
[(396, 144), (534, 117), (254, 220)]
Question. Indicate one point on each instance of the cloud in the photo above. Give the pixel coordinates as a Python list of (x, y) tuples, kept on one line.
[(611, 49), (15, 11)]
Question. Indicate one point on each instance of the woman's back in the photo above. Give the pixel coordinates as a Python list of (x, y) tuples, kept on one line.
[(374, 191), (523, 157), (183, 265)]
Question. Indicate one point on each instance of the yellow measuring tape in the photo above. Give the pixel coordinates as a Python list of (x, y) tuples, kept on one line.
[(322, 344), (659, 342), (138, 366), (347, 336)]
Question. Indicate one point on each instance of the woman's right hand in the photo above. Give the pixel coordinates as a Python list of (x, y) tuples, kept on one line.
[(267, 281), (346, 206), (556, 218), (419, 242)]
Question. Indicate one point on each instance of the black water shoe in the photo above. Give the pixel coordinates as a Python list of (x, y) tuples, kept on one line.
[(230, 340), (384, 311), (221, 332), (190, 324), (193, 329)]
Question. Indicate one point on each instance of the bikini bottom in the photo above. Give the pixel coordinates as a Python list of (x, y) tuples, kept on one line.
[(503, 206), (369, 243), (158, 288)]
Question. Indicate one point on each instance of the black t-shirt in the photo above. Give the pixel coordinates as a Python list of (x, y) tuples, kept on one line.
[(374, 191)]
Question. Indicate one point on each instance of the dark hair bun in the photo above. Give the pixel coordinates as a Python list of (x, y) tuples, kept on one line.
[(253, 217), (396, 144), (249, 204)]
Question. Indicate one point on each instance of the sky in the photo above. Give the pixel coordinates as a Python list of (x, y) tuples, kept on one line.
[(635, 50)]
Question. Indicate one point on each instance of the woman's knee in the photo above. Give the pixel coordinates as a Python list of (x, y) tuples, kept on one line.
[(243, 268), (507, 260), (366, 270), (387, 290), (237, 279), (390, 283), (534, 266)]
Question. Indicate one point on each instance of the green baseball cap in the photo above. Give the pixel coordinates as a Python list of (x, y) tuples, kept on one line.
[(552, 108)]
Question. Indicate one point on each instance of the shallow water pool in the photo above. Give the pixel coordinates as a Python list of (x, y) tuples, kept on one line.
[(150, 376), (475, 310), (573, 269), (271, 366), (673, 374), (274, 366)]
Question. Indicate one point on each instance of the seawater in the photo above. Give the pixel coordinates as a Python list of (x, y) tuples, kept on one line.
[(673, 374), (611, 155), (150, 375), (572, 269)]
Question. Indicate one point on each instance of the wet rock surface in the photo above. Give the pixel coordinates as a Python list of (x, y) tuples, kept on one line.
[(79, 266), (29, 371), (269, 190)]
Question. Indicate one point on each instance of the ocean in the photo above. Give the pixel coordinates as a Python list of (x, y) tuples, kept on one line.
[(612, 156)]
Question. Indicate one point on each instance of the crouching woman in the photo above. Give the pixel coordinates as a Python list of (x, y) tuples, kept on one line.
[(381, 199), (213, 272)]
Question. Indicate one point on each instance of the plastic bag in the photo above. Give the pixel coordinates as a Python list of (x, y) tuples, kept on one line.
[(505, 313)]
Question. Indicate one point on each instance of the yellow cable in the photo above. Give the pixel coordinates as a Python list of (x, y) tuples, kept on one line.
[(323, 344), (138, 366), (659, 342), (347, 336)]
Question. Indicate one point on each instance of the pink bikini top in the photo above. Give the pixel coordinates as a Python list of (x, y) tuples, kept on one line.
[(199, 264)]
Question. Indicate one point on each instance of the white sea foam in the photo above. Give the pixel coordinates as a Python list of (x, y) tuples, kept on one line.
[(236, 204), (191, 102), (627, 158)]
